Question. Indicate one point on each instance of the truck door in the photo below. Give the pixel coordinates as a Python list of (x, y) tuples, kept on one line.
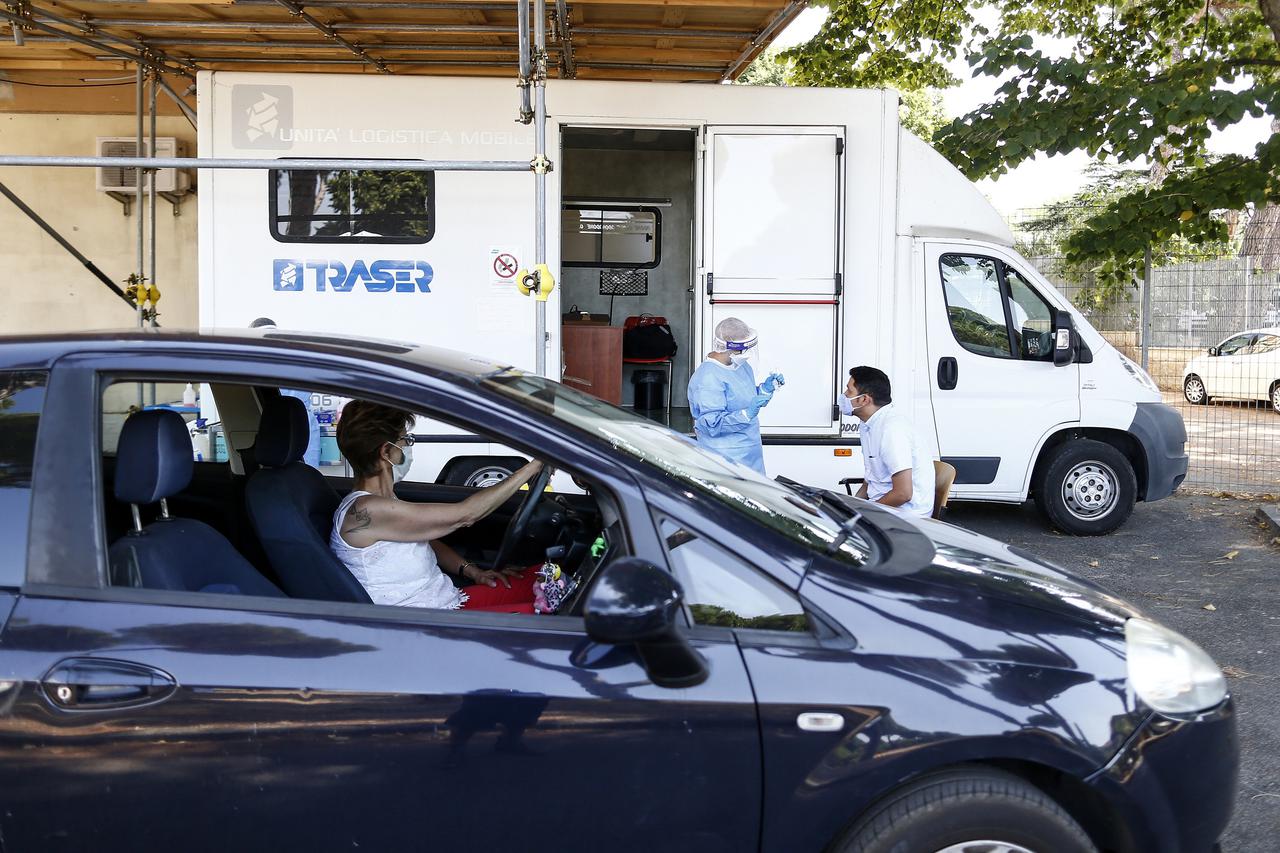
[(994, 387), (771, 257)]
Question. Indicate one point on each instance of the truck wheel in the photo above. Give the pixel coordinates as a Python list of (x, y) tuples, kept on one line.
[(968, 811), (1088, 488), (479, 472), (1193, 390)]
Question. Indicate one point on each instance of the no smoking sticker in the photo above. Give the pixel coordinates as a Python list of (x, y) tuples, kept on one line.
[(503, 265)]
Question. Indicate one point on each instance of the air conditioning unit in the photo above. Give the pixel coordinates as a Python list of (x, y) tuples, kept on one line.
[(115, 179)]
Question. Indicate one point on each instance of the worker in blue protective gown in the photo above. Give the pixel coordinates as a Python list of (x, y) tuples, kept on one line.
[(725, 400)]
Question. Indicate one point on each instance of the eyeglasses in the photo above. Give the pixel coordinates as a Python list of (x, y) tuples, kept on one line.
[(406, 439)]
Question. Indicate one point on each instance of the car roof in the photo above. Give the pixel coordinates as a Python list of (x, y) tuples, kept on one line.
[(436, 360)]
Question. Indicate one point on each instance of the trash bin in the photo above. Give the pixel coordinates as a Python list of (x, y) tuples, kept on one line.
[(650, 388)]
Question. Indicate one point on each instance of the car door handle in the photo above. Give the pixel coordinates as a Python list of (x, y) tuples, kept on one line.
[(948, 373), (819, 721), (89, 684)]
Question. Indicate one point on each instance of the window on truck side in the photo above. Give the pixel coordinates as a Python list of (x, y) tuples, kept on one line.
[(21, 398), (975, 304), (994, 311), (1032, 318), (345, 206)]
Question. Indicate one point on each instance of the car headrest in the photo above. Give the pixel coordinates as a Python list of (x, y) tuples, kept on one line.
[(283, 433), (153, 458)]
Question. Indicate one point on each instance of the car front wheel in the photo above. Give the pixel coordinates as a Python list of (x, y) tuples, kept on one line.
[(1088, 488), (1275, 397), (1193, 390), (967, 811)]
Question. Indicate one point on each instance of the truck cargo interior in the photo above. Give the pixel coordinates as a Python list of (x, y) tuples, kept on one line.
[(627, 228)]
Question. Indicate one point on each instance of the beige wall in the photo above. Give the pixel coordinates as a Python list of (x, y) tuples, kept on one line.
[(45, 288)]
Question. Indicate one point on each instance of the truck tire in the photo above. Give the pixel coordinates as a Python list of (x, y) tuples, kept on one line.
[(479, 471), (1193, 389), (1087, 488), (967, 811)]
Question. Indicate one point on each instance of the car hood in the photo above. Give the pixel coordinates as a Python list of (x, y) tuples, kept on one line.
[(941, 554), (1010, 573)]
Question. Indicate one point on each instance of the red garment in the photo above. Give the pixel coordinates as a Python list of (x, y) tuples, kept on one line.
[(500, 599)]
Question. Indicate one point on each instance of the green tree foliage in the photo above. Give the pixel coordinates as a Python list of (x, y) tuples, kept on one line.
[(1068, 222), (1140, 81), (921, 112), (767, 69), (921, 109), (1143, 81), (898, 43)]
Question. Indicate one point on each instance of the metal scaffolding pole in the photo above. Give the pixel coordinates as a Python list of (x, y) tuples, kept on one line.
[(151, 200), (62, 241), (177, 99), (319, 164), (137, 190), (540, 168)]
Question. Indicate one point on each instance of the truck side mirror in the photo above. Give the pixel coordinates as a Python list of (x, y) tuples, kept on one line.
[(1064, 339), (633, 602)]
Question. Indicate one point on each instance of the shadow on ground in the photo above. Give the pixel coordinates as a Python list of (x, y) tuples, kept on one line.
[(1203, 566)]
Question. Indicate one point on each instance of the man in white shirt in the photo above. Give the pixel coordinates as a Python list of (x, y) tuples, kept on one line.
[(898, 474)]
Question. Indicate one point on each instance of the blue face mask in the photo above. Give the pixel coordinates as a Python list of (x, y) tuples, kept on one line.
[(846, 406)]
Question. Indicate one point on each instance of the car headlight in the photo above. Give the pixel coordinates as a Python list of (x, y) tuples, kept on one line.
[(1170, 673), (1138, 373)]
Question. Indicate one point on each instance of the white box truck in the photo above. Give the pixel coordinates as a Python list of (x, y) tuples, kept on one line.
[(809, 213)]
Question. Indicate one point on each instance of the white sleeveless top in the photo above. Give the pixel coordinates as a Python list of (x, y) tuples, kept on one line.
[(404, 574)]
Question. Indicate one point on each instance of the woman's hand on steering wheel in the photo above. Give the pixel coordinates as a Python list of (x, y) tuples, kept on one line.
[(491, 577)]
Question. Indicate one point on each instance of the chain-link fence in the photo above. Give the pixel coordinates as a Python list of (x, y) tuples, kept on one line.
[(1212, 345)]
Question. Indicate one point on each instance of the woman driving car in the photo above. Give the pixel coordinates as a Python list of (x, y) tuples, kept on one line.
[(394, 547)]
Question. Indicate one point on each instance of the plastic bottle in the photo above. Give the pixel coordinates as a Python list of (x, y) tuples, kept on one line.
[(189, 396)]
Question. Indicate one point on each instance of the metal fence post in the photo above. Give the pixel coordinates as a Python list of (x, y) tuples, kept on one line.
[(1145, 325)]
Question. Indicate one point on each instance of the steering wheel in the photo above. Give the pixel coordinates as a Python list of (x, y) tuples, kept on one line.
[(518, 527)]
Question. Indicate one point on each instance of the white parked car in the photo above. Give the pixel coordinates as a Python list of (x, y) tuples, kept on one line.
[(1243, 367)]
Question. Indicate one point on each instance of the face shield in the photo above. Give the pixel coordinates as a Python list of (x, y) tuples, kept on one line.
[(742, 349)]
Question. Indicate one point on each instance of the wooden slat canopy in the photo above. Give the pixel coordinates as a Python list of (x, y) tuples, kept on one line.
[(66, 56)]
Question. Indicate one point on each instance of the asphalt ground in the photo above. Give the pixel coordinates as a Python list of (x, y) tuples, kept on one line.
[(1204, 566), (1234, 446)]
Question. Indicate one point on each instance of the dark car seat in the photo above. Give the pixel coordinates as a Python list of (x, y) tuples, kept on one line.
[(154, 462), (291, 507)]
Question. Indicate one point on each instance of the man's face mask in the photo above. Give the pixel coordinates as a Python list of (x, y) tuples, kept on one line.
[(848, 408)]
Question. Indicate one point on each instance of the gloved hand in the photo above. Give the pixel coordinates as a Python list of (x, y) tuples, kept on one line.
[(760, 401), (771, 384)]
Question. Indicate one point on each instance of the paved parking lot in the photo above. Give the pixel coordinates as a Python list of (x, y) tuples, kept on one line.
[(1234, 446), (1205, 567)]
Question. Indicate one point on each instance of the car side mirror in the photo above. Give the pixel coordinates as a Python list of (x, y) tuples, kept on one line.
[(633, 602), (1064, 339), (1213, 351)]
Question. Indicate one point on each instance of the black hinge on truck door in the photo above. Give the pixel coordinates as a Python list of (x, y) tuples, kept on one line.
[(835, 412), (839, 284), (711, 287), (839, 146)]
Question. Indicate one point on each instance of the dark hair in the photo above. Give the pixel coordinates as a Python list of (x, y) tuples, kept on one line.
[(362, 430), (873, 381)]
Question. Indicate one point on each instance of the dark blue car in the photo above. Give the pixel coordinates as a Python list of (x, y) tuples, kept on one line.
[(745, 665)]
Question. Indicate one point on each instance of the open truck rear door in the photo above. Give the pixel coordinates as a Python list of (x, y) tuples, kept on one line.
[(771, 257)]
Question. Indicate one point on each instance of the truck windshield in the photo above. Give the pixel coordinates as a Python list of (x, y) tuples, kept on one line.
[(765, 501)]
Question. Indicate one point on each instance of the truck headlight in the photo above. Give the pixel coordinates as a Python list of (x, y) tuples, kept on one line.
[(1138, 373), (1170, 673)]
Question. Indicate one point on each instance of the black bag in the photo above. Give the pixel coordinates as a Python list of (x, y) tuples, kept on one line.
[(648, 337)]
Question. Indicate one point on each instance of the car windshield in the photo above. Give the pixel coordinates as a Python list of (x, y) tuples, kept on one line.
[(823, 525)]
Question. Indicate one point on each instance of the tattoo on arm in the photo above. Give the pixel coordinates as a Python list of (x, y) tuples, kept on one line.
[(358, 519)]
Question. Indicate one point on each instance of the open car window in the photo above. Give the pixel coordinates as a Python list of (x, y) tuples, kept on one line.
[(258, 526)]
